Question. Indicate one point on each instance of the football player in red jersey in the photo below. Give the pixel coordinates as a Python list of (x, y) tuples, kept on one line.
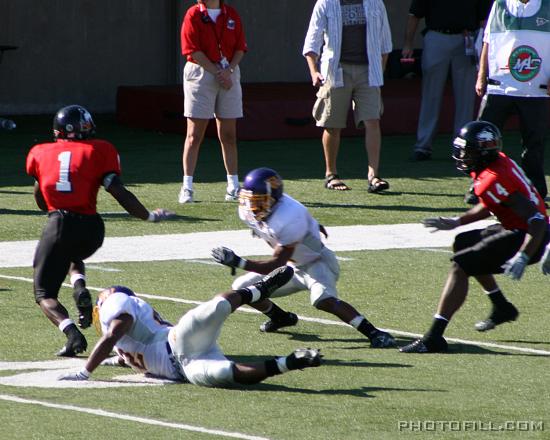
[(506, 247), (68, 174)]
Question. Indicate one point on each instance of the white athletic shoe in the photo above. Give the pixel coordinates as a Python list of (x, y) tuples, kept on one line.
[(186, 196), (232, 194)]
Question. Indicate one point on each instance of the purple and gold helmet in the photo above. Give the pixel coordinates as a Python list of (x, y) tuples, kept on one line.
[(262, 188)]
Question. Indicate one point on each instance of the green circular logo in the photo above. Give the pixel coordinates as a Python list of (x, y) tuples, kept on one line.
[(524, 63)]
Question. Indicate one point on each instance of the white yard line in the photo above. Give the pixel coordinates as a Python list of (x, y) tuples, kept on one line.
[(324, 321), (198, 245), (143, 420)]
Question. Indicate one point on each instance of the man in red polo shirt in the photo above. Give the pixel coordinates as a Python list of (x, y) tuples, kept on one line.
[(68, 175), (506, 247), (213, 42)]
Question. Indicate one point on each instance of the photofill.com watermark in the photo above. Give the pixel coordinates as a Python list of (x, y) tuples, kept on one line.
[(469, 425)]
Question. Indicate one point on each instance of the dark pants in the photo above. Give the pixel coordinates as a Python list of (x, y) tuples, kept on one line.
[(484, 251), (533, 117), (67, 237)]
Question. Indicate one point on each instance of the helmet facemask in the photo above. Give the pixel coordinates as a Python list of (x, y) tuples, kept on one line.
[(256, 206)]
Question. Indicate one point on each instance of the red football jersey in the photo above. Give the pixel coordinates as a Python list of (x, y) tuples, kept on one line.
[(70, 172), (495, 183)]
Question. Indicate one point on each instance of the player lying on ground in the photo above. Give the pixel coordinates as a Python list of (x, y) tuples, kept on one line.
[(188, 351), (509, 246), (288, 227)]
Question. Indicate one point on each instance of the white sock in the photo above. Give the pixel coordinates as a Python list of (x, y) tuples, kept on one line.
[(188, 182), (77, 276), (281, 363), (65, 323), (356, 322), (488, 292), (232, 181), (256, 295), (442, 318)]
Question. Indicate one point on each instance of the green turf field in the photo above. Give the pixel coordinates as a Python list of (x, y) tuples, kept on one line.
[(359, 393)]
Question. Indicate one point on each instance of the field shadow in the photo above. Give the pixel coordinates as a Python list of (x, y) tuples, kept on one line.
[(364, 392), (461, 348), (36, 212), (384, 208), (177, 217)]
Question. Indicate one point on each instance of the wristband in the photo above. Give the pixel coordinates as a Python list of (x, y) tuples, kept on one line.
[(242, 263)]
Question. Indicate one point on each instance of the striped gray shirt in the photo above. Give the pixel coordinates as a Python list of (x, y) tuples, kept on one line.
[(324, 37)]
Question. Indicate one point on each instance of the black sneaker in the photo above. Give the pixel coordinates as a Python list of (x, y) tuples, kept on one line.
[(303, 358), (380, 339), (273, 325), (277, 278), (420, 156), (428, 345), (75, 344), (498, 316), (83, 301)]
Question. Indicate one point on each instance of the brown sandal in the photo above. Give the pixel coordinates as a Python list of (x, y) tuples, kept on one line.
[(333, 182), (376, 184)]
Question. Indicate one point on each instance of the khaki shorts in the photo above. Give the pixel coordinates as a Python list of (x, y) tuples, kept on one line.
[(332, 105), (204, 98)]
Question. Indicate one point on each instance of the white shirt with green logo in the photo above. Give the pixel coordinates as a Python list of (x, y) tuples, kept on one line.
[(518, 35)]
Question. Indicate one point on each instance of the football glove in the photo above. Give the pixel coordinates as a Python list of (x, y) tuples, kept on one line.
[(227, 257), (516, 265), (160, 214), (81, 375), (545, 262), (441, 223)]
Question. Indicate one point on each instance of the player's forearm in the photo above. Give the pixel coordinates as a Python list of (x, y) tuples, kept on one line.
[(534, 237), (101, 351), (478, 212), (412, 24), (128, 201), (264, 267)]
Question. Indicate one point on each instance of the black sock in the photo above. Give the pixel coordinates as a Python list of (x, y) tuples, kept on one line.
[(71, 330), (498, 299), (246, 295), (437, 329), (367, 328), (271, 368), (79, 284), (275, 312)]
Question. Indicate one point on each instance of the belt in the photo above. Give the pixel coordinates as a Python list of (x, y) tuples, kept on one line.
[(66, 213), (175, 363)]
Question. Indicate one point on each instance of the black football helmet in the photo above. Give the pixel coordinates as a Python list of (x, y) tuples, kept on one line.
[(476, 146), (73, 122), (262, 188)]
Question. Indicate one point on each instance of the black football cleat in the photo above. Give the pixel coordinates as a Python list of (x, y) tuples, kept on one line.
[(273, 325), (274, 280), (83, 301), (428, 345), (304, 358), (498, 316), (75, 344), (380, 339)]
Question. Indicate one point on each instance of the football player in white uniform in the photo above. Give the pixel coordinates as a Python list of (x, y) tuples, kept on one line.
[(188, 351), (287, 226)]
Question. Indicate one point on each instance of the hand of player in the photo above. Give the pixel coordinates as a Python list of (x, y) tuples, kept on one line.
[(226, 257), (545, 262), (317, 79), (516, 265), (81, 375), (441, 223), (160, 214)]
